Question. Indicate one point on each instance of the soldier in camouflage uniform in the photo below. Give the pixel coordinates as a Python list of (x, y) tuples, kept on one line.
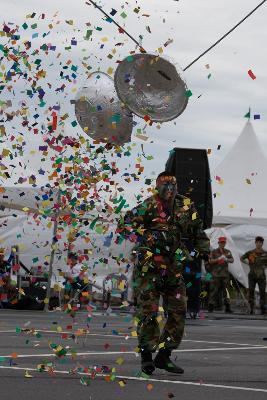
[(257, 261), (219, 260), (158, 227)]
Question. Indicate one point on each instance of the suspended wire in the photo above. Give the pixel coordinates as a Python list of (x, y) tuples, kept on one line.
[(119, 26), (224, 36), (202, 54)]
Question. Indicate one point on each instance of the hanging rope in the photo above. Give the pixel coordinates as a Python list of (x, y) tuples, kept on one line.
[(119, 26), (202, 54), (224, 36)]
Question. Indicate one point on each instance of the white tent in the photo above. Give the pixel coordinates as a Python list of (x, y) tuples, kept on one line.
[(239, 182), (240, 204), (25, 189)]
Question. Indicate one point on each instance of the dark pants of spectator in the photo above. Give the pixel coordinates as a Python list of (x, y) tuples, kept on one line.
[(193, 286), (218, 288), (252, 281)]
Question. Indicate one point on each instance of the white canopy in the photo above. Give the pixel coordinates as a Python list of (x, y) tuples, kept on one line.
[(239, 182), (26, 190)]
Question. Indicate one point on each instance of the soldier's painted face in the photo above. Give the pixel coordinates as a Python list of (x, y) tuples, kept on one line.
[(167, 187)]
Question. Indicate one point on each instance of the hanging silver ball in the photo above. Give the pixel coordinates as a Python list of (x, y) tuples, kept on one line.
[(100, 113), (150, 86)]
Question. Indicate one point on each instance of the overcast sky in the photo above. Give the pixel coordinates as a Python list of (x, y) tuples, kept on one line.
[(215, 117)]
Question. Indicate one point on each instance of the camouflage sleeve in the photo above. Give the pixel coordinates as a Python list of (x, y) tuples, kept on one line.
[(132, 223), (245, 256), (262, 261)]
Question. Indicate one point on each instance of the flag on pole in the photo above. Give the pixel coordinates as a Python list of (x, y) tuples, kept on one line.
[(247, 114)]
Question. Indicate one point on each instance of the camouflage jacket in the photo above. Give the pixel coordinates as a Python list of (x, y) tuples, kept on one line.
[(220, 269), (257, 261), (163, 231)]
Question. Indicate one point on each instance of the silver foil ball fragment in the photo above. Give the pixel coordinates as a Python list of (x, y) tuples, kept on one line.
[(100, 113)]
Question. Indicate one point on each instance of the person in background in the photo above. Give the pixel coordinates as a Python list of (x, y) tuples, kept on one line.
[(5, 269), (74, 276), (218, 264), (192, 278), (257, 261), (4, 265), (159, 227)]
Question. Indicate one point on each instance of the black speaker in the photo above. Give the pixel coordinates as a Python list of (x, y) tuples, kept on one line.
[(191, 168)]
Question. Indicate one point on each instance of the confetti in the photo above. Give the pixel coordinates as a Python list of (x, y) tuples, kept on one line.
[(27, 374), (251, 74)]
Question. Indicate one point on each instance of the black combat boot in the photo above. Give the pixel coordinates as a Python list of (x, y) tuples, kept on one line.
[(228, 309), (251, 310), (163, 361), (147, 364)]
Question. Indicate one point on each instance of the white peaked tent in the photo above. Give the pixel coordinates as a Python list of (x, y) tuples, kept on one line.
[(239, 182), (240, 205)]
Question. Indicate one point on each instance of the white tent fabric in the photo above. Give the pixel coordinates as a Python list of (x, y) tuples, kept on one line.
[(239, 183), (34, 240), (23, 190)]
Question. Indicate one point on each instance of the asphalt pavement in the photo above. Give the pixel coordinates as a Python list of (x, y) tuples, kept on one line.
[(50, 355)]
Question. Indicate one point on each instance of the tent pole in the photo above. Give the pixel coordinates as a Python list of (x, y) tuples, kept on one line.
[(240, 291), (52, 254)]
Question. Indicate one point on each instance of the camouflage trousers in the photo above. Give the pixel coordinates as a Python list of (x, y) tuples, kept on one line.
[(218, 286), (148, 287), (261, 281)]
